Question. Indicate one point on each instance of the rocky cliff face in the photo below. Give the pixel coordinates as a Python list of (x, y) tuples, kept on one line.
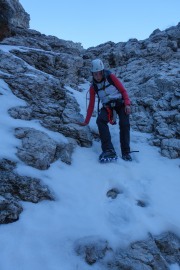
[(12, 16), (36, 69), (150, 71)]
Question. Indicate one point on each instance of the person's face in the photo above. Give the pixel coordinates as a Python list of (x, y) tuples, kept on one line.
[(98, 76)]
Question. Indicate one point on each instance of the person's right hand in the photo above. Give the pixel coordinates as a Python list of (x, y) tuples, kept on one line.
[(127, 109)]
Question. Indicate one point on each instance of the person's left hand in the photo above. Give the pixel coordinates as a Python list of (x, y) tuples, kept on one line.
[(127, 109)]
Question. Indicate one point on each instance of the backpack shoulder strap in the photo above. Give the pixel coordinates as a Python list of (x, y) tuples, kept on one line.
[(107, 74), (95, 87)]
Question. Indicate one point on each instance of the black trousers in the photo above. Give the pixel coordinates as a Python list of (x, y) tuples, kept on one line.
[(124, 129)]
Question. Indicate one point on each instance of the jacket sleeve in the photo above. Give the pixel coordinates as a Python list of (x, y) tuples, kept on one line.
[(91, 104), (121, 89)]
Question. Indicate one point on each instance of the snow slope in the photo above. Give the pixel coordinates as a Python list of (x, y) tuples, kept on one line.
[(44, 236)]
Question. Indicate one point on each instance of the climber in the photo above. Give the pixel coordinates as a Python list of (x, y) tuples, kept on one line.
[(115, 101)]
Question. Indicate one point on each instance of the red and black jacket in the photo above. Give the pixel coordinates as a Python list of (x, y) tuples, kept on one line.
[(113, 81)]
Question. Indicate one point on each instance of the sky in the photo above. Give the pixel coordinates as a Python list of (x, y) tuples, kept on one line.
[(93, 22), (45, 235)]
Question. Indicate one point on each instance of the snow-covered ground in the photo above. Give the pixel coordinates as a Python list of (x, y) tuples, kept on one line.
[(44, 236)]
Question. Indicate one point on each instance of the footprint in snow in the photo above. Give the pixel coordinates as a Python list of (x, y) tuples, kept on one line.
[(113, 193)]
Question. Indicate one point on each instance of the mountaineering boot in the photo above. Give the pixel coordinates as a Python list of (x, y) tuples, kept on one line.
[(126, 157), (108, 155)]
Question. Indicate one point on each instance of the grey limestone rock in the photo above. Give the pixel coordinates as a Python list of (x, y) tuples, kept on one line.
[(12, 15), (15, 188)]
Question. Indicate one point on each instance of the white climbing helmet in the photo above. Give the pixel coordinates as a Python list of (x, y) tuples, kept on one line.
[(97, 65)]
